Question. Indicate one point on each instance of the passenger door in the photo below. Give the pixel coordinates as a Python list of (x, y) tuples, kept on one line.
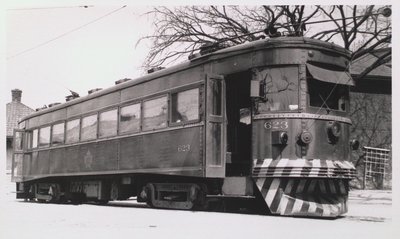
[(215, 126), (18, 155)]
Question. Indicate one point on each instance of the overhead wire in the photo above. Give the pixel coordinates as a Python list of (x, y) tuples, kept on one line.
[(47, 8), (64, 34)]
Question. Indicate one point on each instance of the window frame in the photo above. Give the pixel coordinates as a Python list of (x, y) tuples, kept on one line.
[(79, 133), (39, 133), (139, 102), (64, 133), (177, 91), (81, 126), (28, 139), (167, 95), (98, 122), (37, 138), (315, 109)]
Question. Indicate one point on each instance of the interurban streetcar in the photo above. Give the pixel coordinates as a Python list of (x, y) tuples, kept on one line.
[(266, 120)]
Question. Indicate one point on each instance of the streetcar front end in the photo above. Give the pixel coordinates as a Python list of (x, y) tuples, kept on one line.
[(301, 133)]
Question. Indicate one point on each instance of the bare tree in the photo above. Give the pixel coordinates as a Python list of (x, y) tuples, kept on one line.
[(363, 34), (180, 31), (371, 117)]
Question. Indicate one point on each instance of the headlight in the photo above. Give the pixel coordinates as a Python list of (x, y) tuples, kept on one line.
[(279, 137), (354, 144), (334, 130)]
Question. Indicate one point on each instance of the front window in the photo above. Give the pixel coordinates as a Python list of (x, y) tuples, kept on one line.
[(328, 95), (280, 87)]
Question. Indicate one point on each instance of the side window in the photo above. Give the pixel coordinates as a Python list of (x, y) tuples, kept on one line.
[(328, 95), (185, 106), (129, 119), (108, 123), (216, 88), (57, 135), (155, 113), (35, 135), (44, 136), (72, 131), (89, 127)]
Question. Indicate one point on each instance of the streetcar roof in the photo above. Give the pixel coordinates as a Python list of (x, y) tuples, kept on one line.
[(269, 43)]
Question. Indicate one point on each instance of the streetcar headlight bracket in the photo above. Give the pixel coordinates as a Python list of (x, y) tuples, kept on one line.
[(354, 144), (305, 137), (279, 137), (334, 130)]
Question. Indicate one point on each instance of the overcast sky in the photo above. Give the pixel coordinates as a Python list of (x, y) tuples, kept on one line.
[(52, 48), (94, 56)]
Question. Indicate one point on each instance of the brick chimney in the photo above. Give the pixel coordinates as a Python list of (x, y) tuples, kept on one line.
[(16, 95)]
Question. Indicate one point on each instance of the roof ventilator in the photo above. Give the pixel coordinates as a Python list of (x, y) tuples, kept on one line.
[(154, 69), (122, 81), (70, 97), (53, 104), (94, 90)]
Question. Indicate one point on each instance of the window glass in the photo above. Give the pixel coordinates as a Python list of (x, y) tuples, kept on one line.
[(44, 136), (18, 140), (72, 132), (328, 95), (28, 139), (89, 127), (57, 136), (281, 89), (35, 138), (129, 119), (185, 106), (17, 165), (216, 101), (155, 113), (108, 123), (216, 130)]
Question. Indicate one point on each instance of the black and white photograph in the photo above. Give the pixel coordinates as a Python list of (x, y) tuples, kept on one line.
[(198, 120)]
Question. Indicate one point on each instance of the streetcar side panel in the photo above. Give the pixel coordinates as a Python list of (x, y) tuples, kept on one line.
[(171, 146)]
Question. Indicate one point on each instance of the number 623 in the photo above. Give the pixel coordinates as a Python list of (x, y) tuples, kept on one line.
[(276, 125)]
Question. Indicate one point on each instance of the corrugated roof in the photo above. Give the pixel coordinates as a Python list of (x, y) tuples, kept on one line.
[(383, 72), (15, 112)]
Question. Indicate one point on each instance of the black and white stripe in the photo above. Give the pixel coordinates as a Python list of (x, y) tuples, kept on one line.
[(315, 168), (304, 197)]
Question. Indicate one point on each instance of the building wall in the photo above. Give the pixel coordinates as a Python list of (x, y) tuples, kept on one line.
[(15, 111), (9, 154)]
